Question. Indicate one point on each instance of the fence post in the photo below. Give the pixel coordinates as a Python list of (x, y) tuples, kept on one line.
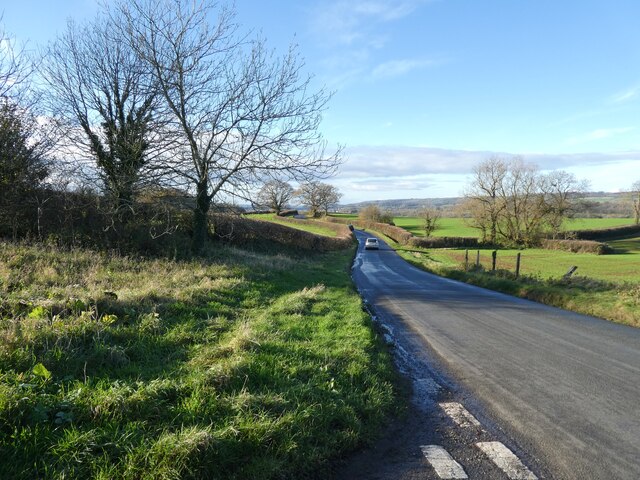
[(518, 265), (494, 254), (466, 260), (478, 259)]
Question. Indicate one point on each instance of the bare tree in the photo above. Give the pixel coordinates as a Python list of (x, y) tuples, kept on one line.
[(560, 190), (430, 217), (241, 111), (105, 99), (635, 201), (15, 68), (372, 213), (329, 196), (309, 195), (522, 219), (275, 194), (512, 202), (484, 202)]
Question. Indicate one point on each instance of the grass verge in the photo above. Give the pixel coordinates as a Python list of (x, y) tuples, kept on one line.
[(244, 364)]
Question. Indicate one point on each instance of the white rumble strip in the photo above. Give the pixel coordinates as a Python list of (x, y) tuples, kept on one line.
[(506, 460), (459, 414), (444, 465)]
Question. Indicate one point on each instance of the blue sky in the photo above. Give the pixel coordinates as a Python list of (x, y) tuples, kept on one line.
[(426, 89)]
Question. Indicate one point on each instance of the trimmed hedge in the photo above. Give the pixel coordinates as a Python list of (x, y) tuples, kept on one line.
[(243, 230), (444, 242), (577, 246), (603, 233)]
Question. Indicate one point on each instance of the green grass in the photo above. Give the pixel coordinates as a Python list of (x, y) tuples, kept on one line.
[(317, 229), (457, 227), (597, 223), (447, 227), (240, 365), (553, 263)]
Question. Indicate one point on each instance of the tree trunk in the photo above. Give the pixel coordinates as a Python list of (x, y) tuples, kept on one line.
[(200, 218)]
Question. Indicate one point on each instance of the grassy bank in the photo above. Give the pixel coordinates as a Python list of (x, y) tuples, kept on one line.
[(240, 365), (317, 229)]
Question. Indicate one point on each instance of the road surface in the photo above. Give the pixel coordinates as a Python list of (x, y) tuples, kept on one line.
[(565, 387)]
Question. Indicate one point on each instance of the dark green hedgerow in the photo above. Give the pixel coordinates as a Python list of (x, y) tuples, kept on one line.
[(240, 365)]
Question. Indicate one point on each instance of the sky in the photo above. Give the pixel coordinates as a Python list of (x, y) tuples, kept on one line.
[(424, 90)]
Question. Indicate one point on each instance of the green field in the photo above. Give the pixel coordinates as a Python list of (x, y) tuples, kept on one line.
[(458, 227), (317, 229), (620, 267), (447, 227), (237, 365)]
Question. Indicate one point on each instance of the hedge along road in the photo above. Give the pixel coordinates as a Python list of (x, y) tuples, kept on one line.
[(564, 386)]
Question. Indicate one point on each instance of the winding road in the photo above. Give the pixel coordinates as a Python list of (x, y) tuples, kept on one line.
[(565, 387)]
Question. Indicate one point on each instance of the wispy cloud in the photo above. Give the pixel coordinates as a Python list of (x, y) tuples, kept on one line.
[(352, 32), (346, 22), (599, 134), (397, 68), (626, 95)]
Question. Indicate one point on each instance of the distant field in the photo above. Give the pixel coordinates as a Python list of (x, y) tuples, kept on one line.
[(447, 227), (317, 229), (621, 267), (456, 227), (597, 223)]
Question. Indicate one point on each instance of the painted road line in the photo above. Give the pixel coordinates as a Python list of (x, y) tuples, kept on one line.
[(506, 460), (459, 414), (444, 465)]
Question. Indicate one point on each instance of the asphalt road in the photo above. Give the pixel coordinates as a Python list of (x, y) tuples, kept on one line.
[(565, 386)]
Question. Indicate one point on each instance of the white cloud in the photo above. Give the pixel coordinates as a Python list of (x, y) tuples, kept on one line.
[(386, 172), (369, 162)]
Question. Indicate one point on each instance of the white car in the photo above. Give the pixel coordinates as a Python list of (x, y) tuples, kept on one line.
[(371, 244)]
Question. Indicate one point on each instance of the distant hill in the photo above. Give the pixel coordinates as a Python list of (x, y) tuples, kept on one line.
[(404, 206), (590, 205)]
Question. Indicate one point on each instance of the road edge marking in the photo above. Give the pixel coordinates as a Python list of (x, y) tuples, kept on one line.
[(443, 463), (459, 414), (506, 461)]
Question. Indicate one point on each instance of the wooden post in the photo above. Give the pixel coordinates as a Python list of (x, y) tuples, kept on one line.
[(518, 265), (494, 254), (478, 259), (571, 271), (466, 260)]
